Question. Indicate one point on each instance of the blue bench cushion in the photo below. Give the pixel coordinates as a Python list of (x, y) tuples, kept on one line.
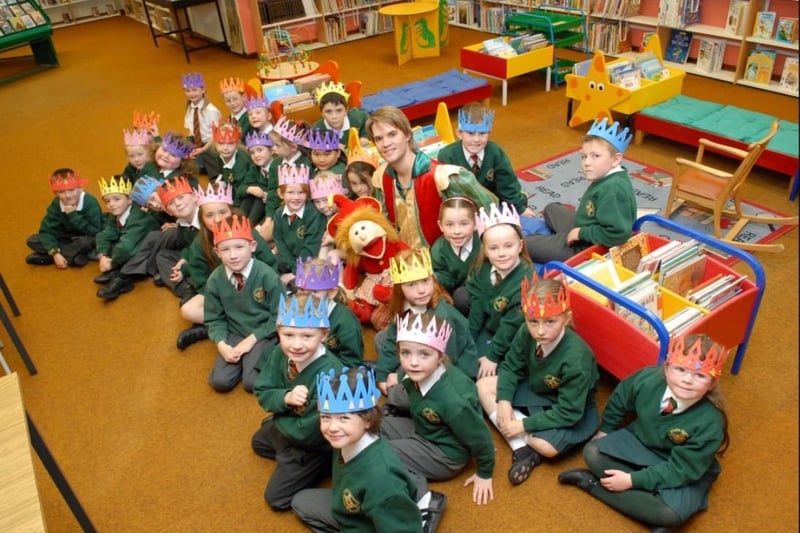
[(436, 87)]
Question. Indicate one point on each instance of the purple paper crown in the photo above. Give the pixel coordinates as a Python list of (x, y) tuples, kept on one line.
[(291, 131), (256, 103), (320, 139), (256, 138), (176, 146), (193, 80), (317, 280), (143, 188)]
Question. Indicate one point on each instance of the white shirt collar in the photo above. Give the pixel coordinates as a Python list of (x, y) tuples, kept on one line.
[(123, 218), (232, 161), (345, 125), (195, 223), (245, 271), (547, 348), (504, 274), (79, 206), (681, 404), (468, 155), (426, 384), (317, 354), (352, 451), (465, 250), (298, 213)]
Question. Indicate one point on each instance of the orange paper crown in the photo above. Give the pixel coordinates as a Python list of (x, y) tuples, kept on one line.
[(145, 121), (239, 228), (551, 306), (357, 153), (66, 181), (172, 188), (693, 358), (231, 84), (226, 133)]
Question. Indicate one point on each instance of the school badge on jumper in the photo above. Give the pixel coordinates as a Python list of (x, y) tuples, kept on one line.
[(332, 342), (431, 416), (228, 177), (500, 303), (301, 232), (258, 294), (552, 381), (590, 208), (490, 175), (350, 503), (678, 435), (299, 409)]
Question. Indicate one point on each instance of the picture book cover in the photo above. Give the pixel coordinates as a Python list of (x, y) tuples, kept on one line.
[(684, 277), (787, 30), (759, 66), (789, 76), (630, 253), (737, 15), (765, 23), (678, 46)]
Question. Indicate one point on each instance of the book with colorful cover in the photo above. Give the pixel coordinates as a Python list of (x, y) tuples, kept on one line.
[(630, 253), (678, 46), (737, 17), (765, 23), (787, 30), (710, 54), (683, 277), (759, 66), (790, 77)]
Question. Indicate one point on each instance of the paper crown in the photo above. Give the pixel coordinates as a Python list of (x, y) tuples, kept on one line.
[(221, 192), (143, 188), (436, 334), (551, 306), (292, 175), (226, 133), (145, 121), (231, 84), (320, 139), (619, 139), (239, 228), (172, 188), (256, 103), (65, 181), (313, 277), (347, 207), (505, 214), (256, 138), (357, 153), (136, 137), (418, 266), (311, 317), (176, 146), (330, 87), (325, 184), (193, 80), (115, 185), (291, 131), (693, 359), (484, 126), (346, 400)]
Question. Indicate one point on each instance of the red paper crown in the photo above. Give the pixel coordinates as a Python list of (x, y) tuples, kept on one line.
[(552, 306), (231, 84), (239, 228), (145, 121), (693, 358), (172, 188), (226, 133), (65, 181)]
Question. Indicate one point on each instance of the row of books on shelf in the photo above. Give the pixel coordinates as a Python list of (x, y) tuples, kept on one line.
[(513, 46), (294, 95), (19, 17), (616, 8), (678, 13), (464, 12), (427, 139), (610, 37), (629, 73), (710, 54), (765, 27), (760, 65)]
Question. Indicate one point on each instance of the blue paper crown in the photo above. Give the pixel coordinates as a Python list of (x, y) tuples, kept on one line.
[(143, 188), (312, 317), (618, 139), (323, 140), (193, 80), (175, 146), (257, 138), (346, 400), (256, 103), (326, 279), (484, 126)]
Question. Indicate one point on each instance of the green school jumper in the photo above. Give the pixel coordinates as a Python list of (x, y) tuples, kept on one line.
[(273, 200), (451, 271), (495, 172), (58, 227), (373, 492), (495, 314), (301, 238), (450, 417), (121, 243), (607, 210), (563, 383), (460, 346), (149, 169), (237, 175), (345, 337)]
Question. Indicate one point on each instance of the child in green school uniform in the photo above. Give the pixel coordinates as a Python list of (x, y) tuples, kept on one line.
[(659, 468), (145, 195), (173, 158), (493, 285), (234, 162), (139, 149), (232, 91), (259, 115), (332, 100), (325, 153), (322, 187), (485, 158), (259, 148), (361, 166), (372, 490), (298, 225), (67, 232), (455, 251), (542, 399), (287, 388), (241, 300), (446, 429), (123, 233)]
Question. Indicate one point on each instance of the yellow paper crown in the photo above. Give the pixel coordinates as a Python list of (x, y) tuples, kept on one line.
[(693, 359), (145, 121), (355, 152), (231, 84), (417, 267), (115, 185), (550, 306), (330, 87)]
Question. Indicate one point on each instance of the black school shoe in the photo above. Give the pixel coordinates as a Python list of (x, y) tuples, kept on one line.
[(105, 277), (39, 259), (524, 460), (192, 335), (580, 477), (119, 285), (79, 260), (433, 514)]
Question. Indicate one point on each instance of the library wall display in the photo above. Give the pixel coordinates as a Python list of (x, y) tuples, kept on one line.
[(67, 12)]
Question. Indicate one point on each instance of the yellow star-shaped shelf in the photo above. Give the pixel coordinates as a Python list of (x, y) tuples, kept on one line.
[(594, 93)]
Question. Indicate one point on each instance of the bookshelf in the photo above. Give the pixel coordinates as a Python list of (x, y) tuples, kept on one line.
[(69, 12), (621, 347)]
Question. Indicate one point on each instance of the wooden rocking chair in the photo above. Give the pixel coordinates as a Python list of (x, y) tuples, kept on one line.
[(709, 188)]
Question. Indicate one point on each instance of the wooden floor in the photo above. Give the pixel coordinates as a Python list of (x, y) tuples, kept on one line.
[(145, 442)]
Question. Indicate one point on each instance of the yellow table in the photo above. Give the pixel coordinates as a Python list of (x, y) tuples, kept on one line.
[(416, 29)]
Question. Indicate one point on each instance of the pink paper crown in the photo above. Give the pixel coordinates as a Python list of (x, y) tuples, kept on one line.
[(145, 121), (292, 175), (226, 133), (193, 80), (239, 228), (256, 103), (325, 184), (176, 146), (320, 139), (693, 358), (215, 193), (410, 328), (172, 188), (66, 181), (618, 139), (319, 277), (550, 307), (291, 131), (231, 84), (136, 137), (505, 214), (257, 138)]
